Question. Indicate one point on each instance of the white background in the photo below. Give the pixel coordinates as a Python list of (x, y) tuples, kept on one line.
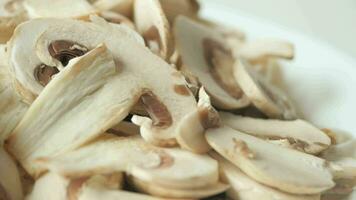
[(333, 21)]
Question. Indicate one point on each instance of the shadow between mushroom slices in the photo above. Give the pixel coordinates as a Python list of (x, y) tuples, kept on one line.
[(205, 56), (123, 7), (10, 183), (285, 169), (164, 166), (243, 187), (174, 8), (152, 24), (298, 134)]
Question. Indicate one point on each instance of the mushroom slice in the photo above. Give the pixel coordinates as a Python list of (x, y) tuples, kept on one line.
[(123, 7), (266, 97), (55, 187), (152, 24), (286, 169), (58, 9), (117, 18), (204, 55), (192, 137), (157, 190), (160, 97), (11, 14), (300, 134), (260, 50), (125, 128), (163, 166), (343, 157), (245, 188), (10, 183), (173, 8)]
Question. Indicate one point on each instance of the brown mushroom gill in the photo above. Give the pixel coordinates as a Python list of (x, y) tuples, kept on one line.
[(156, 110), (3, 193), (220, 61), (62, 51)]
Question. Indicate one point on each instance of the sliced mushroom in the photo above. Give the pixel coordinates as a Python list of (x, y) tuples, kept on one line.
[(123, 7), (138, 79), (125, 128), (164, 166), (343, 156), (160, 191), (300, 134), (265, 96), (245, 188), (262, 49), (174, 8), (55, 187), (10, 183), (204, 55), (58, 9), (152, 23), (11, 14), (117, 18), (286, 169), (343, 186), (192, 137)]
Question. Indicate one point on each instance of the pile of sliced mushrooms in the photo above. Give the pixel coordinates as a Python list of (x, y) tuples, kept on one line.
[(144, 99)]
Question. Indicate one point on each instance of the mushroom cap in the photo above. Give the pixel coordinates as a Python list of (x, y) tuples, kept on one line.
[(265, 96), (10, 183), (123, 7), (161, 191), (164, 166), (152, 24), (58, 9), (300, 134), (286, 169), (195, 42), (246, 188)]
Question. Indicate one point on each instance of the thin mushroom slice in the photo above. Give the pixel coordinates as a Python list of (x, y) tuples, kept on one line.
[(205, 56), (165, 105), (123, 7), (152, 24), (174, 8), (265, 96), (55, 187), (245, 188), (11, 15), (192, 137), (58, 9), (343, 157), (158, 190), (299, 134), (10, 183), (285, 169), (262, 49), (117, 18), (164, 166)]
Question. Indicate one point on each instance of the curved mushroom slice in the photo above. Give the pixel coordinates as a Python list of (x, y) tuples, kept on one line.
[(117, 18), (157, 190), (262, 49), (173, 8), (55, 187), (343, 187), (152, 23), (123, 7), (167, 167), (11, 14), (300, 134), (192, 137), (245, 188), (58, 9), (204, 55), (266, 97), (343, 156), (286, 169), (10, 183)]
